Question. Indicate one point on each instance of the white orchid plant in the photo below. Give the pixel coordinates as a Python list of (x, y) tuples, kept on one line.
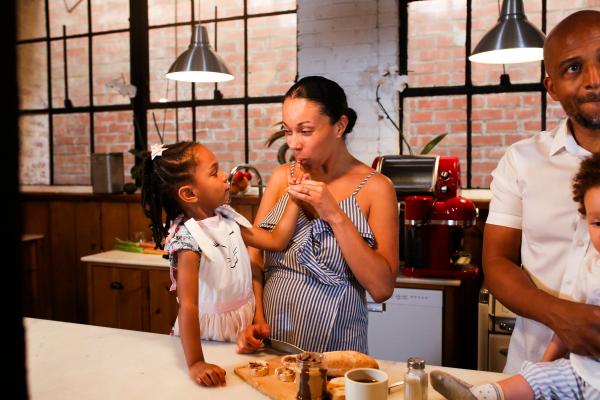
[(398, 83)]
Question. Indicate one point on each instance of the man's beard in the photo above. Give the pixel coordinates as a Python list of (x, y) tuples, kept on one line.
[(573, 110)]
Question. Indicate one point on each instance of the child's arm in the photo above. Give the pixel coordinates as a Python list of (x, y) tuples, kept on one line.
[(279, 237), (189, 325), (555, 350)]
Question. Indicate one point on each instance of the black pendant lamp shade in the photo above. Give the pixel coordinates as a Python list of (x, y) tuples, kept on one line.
[(199, 63), (513, 40)]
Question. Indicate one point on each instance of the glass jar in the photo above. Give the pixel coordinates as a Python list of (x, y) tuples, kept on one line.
[(416, 381), (311, 376)]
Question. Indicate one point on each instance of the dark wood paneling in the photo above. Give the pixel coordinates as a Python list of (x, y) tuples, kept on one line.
[(163, 303), (63, 261), (138, 222), (89, 240), (115, 223)]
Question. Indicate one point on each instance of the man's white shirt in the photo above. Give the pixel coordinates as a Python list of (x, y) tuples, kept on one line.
[(531, 191)]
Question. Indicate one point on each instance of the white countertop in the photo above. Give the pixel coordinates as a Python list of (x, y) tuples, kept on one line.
[(75, 361)]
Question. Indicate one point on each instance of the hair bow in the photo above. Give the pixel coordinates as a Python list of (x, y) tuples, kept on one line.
[(156, 150)]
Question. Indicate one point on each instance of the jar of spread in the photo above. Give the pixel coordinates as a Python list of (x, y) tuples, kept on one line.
[(416, 381), (311, 376)]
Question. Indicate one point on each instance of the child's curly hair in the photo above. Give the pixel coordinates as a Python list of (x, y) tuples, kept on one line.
[(586, 178), (161, 179)]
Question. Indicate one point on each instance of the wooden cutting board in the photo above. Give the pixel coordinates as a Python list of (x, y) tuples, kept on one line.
[(268, 385)]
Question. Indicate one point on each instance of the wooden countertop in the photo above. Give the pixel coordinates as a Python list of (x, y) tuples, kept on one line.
[(76, 361)]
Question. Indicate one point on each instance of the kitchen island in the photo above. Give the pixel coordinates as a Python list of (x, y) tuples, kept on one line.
[(76, 361)]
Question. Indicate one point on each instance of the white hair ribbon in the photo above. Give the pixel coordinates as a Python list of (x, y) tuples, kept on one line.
[(157, 149)]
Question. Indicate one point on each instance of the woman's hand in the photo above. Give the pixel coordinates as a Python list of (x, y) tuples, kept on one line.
[(250, 339), (207, 374), (319, 197)]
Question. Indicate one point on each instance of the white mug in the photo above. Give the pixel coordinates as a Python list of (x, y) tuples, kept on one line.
[(366, 384)]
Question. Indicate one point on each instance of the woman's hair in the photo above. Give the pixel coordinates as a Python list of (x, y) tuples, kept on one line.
[(161, 179), (328, 94), (586, 178)]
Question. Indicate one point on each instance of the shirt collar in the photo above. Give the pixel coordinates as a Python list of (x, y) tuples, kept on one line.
[(564, 140)]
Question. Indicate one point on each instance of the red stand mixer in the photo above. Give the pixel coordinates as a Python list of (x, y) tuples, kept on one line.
[(433, 215)]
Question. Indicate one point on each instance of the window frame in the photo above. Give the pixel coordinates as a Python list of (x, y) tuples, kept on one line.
[(468, 89), (139, 61)]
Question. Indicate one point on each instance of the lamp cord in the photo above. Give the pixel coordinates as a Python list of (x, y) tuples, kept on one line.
[(378, 99)]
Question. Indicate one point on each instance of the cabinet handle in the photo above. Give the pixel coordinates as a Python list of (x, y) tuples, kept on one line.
[(116, 285)]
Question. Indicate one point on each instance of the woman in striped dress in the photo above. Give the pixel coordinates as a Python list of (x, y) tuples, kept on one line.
[(346, 238)]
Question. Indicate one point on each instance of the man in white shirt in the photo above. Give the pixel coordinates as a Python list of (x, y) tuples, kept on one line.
[(533, 221)]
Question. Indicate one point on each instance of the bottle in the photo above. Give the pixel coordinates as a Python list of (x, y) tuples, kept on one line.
[(416, 381), (311, 376)]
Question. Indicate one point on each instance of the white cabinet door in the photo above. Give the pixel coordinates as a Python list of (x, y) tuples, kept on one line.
[(409, 324)]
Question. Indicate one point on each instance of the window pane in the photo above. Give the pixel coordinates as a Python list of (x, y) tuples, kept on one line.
[(436, 43), (34, 162), (263, 122), (264, 6), (71, 13), (225, 8), (221, 129), (174, 124), (77, 71), (32, 76), (484, 17), (271, 57), (109, 15), (230, 48), (31, 19), (499, 120), (162, 12), (162, 53), (427, 117), (113, 133), (71, 147), (110, 63)]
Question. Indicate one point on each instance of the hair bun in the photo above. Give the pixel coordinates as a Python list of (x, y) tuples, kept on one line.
[(351, 114)]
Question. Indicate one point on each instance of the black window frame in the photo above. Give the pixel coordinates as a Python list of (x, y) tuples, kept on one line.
[(139, 31), (468, 89)]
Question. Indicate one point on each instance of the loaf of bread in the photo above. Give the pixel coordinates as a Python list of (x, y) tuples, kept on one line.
[(339, 362)]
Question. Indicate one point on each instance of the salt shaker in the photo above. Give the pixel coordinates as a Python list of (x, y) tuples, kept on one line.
[(416, 381)]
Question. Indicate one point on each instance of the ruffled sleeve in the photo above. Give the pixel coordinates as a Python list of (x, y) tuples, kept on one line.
[(180, 239)]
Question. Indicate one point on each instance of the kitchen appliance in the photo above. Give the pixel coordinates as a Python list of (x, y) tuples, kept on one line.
[(407, 324), (433, 215), (495, 325), (107, 173)]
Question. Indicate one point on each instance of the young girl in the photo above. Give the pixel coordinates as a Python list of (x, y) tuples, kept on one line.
[(204, 241), (579, 376)]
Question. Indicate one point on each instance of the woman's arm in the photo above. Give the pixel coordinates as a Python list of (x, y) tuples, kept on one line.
[(251, 338), (374, 268), (189, 324)]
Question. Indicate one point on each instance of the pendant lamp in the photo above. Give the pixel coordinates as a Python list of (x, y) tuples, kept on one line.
[(199, 63), (513, 40)]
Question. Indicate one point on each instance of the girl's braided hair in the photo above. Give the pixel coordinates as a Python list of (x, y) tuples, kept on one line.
[(161, 179), (586, 178)]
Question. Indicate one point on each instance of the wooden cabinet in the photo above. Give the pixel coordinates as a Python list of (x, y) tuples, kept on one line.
[(79, 224), (130, 297)]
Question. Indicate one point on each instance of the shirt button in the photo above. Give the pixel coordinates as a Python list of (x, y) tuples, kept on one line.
[(580, 243)]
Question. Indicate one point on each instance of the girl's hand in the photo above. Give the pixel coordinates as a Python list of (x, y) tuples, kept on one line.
[(207, 374), (298, 176), (319, 197)]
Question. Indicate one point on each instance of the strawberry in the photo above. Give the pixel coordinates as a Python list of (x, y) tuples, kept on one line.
[(238, 176), (248, 175)]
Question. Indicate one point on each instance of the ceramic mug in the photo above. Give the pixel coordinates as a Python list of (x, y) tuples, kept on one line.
[(366, 384)]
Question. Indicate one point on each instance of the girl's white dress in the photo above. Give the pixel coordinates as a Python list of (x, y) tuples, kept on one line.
[(225, 296)]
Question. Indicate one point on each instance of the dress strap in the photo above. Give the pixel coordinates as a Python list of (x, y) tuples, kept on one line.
[(362, 183), (292, 167)]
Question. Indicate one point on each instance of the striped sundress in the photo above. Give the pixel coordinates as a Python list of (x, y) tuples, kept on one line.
[(311, 298)]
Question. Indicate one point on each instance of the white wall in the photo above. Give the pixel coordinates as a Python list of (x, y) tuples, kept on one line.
[(349, 41)]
